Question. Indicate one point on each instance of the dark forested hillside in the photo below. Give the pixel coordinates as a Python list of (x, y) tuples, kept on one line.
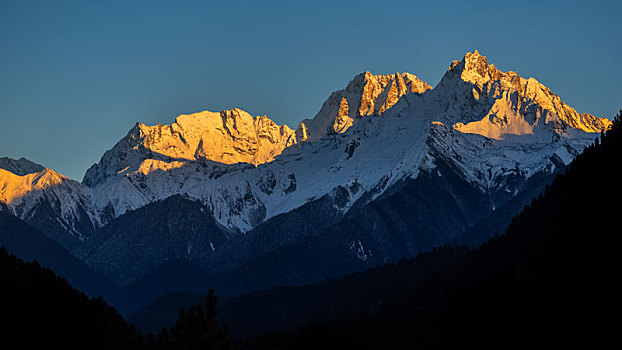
[(553, 279), (39, 309), (285, 308), (28, 243)]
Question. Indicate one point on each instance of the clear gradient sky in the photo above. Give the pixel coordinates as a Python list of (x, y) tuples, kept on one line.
[(75, 76)]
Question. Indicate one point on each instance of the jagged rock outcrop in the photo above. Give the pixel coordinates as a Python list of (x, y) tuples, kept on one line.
[(504, 104), (365, 95), (227, 137)]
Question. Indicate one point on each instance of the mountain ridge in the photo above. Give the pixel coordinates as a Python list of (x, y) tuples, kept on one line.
[(480, 135), (229, 136), (365, 95)]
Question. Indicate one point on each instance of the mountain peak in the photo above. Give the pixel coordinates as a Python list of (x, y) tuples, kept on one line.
[(20, 166), (230, 136), (505, 104), (16, 185), (475, 59), (365, 95), (474, 68), (474, 55)]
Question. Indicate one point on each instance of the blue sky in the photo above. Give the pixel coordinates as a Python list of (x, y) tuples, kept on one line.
[(75, 76)]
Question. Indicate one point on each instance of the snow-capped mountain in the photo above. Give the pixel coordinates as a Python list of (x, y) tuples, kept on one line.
[(227, 137), (481, 139), (61, 206), (495, 124), (508, 104), (365, 95)]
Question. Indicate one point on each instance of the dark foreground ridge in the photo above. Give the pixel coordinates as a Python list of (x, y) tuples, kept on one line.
[(42, 310), (287, 308)]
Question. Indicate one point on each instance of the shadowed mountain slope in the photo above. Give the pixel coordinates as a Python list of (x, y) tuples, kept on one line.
[(552, 279)]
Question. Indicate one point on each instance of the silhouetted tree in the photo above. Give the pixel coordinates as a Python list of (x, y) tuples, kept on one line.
[(197, 328)]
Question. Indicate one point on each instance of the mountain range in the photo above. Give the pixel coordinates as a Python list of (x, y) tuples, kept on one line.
[(389, 167)]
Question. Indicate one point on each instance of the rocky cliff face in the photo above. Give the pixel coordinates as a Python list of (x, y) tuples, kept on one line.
[(228, 137), (503, 104), (365, 95)]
